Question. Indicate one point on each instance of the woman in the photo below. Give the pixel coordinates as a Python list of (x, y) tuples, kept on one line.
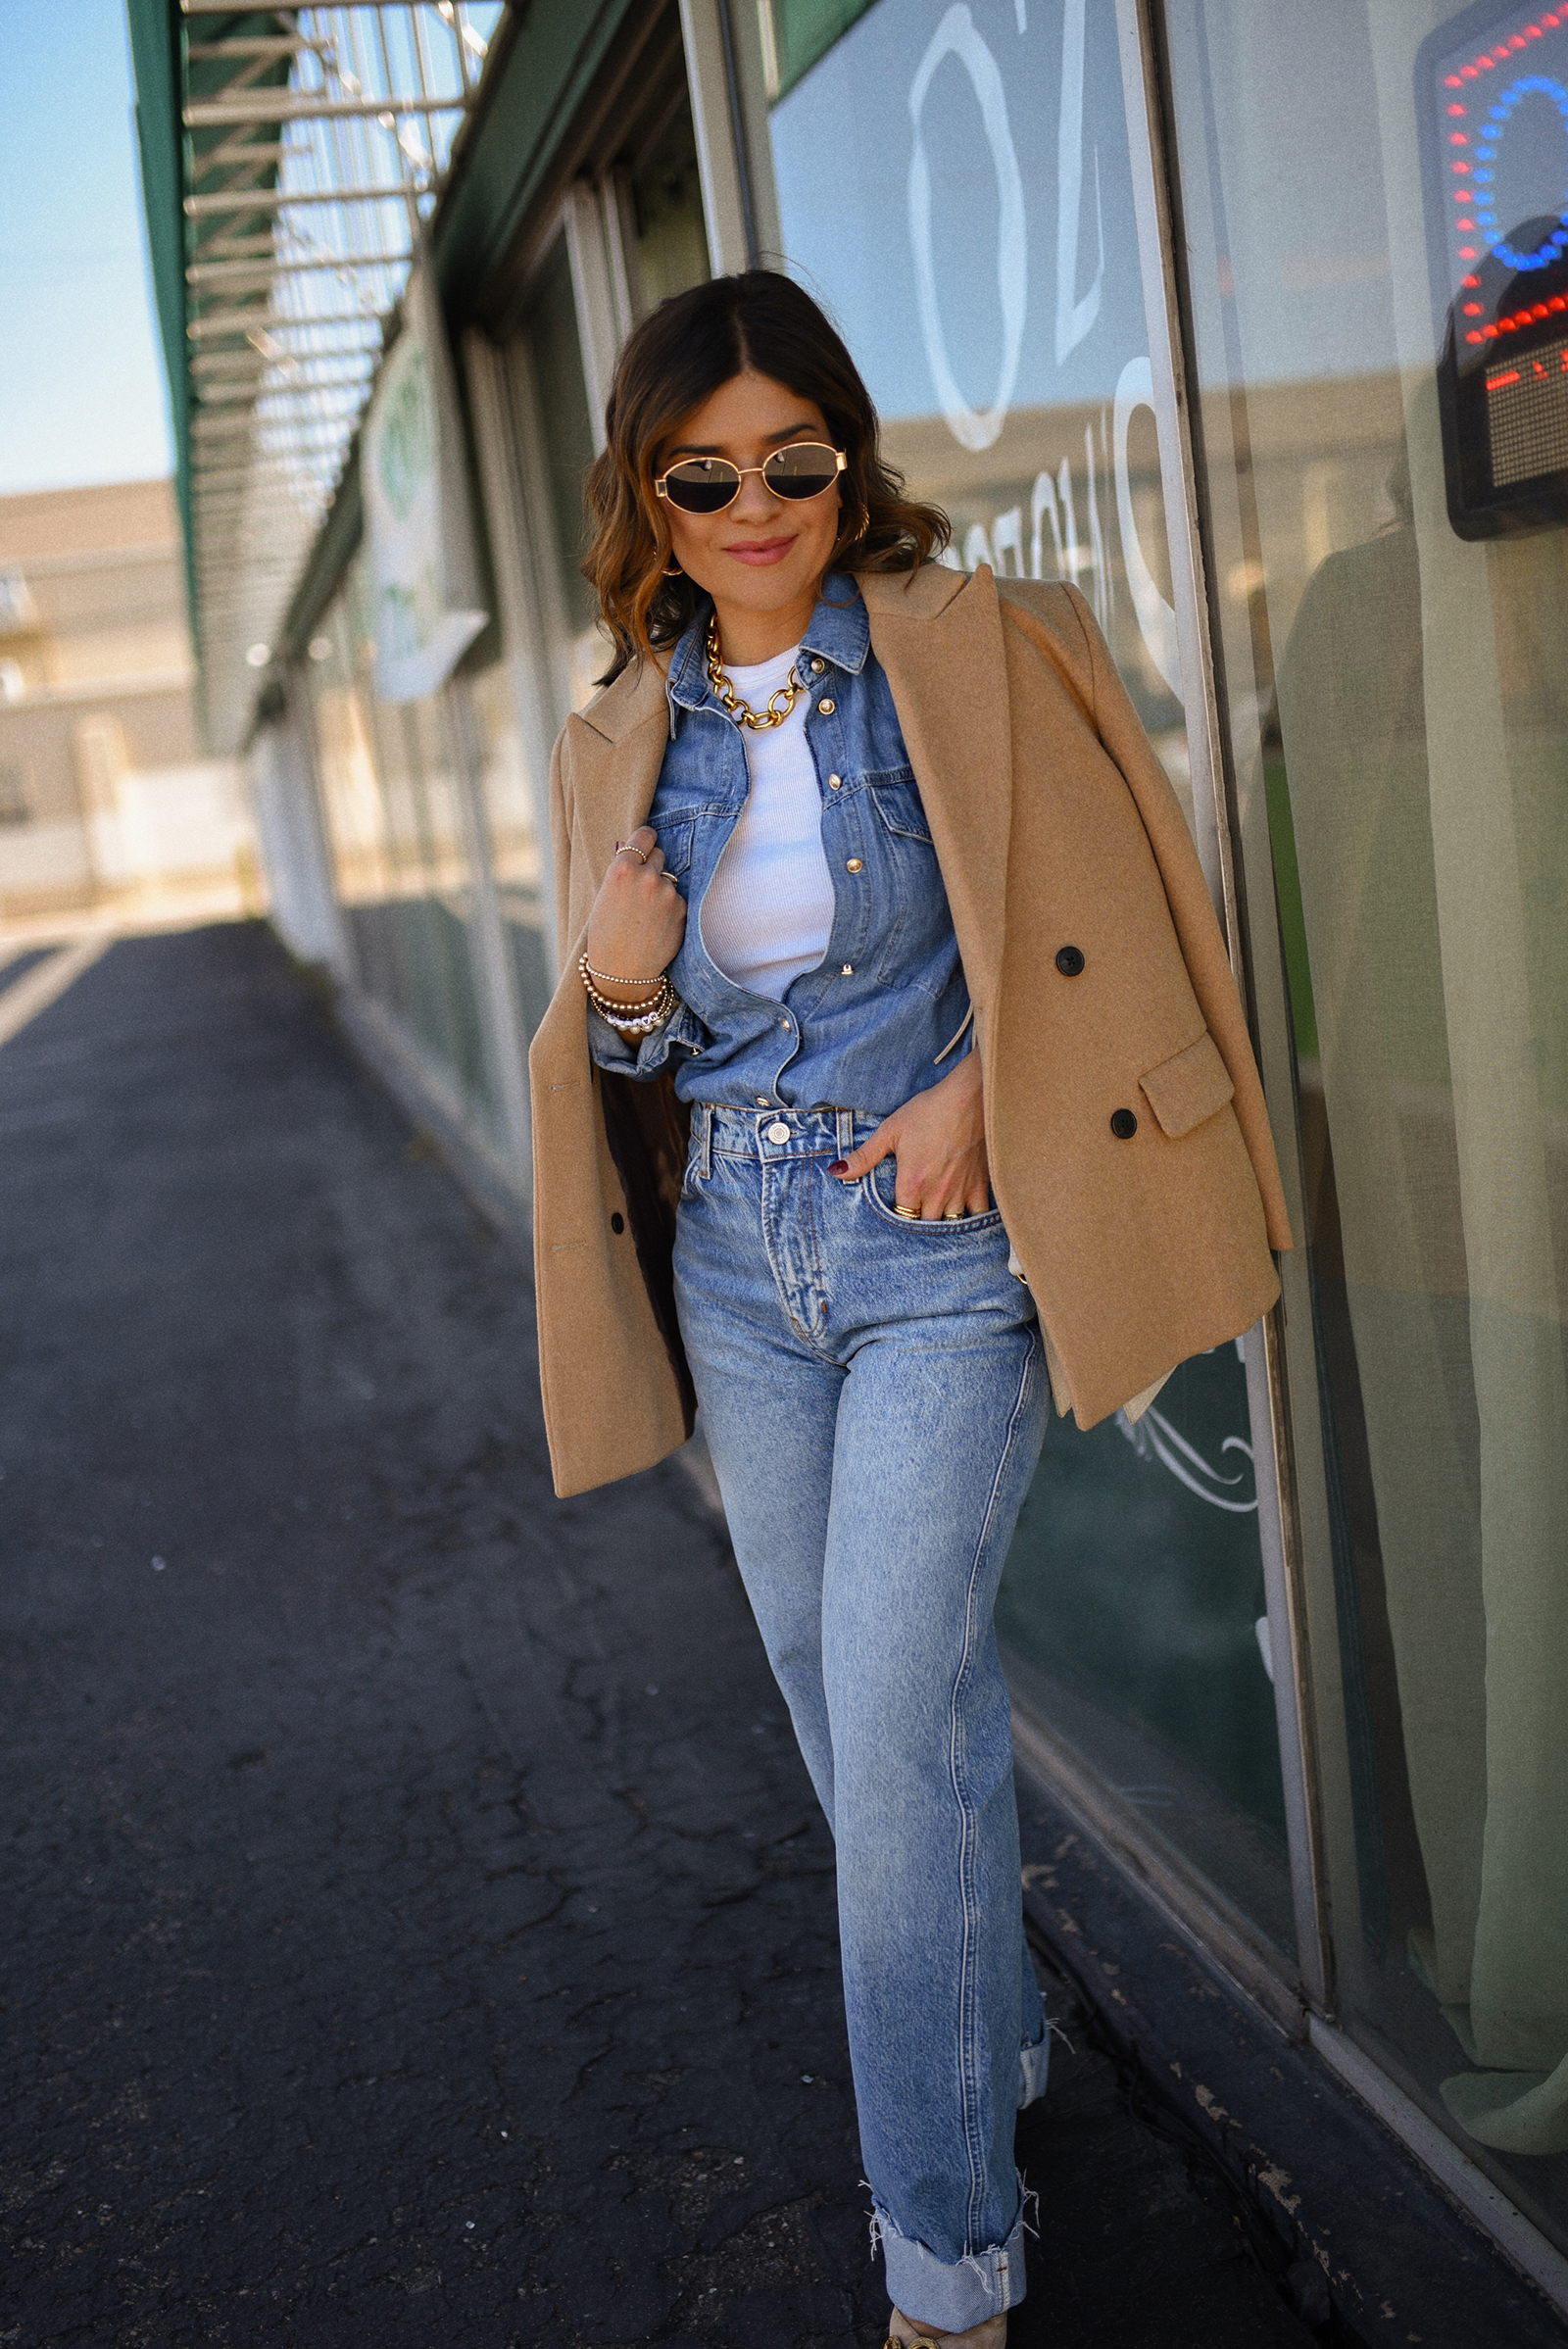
[(897, 1081)]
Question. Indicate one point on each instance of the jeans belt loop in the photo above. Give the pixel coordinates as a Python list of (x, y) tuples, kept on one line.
[(846, 1131), (707, 1163)]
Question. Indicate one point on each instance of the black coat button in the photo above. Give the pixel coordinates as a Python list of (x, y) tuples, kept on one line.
[(617, 1223), (1123, 1124), (1069, 960)]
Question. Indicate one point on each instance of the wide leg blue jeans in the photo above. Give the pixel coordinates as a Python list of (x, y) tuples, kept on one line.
[(874, 1396)]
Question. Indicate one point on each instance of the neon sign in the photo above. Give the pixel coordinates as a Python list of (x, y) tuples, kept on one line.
[(1491, 91)]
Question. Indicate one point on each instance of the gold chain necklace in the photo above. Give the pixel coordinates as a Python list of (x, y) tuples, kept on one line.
[(742, 712)]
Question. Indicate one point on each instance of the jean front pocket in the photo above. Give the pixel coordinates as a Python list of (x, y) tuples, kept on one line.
[(880, 1188)]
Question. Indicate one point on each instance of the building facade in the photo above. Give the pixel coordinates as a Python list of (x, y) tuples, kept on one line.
[(1254, 323), (109, 799)]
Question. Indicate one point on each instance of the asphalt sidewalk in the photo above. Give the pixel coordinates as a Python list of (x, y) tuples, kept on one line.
[(418, 1925)]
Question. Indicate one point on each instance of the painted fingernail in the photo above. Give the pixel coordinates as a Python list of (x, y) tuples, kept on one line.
[(840, 1166)]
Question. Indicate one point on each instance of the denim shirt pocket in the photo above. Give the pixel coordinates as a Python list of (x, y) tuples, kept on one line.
[(895, 797), (907, 946), (677, 835)]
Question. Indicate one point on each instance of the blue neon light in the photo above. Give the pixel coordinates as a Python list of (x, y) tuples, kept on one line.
[(1497, 117)]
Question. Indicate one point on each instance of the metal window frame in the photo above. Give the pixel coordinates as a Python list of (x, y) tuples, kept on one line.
[(728, 208), (1217, 834)]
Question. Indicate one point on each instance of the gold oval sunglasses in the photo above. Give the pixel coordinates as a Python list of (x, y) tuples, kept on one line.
[(708, 484)]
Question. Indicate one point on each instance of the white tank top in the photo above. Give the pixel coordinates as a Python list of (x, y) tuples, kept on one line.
[(768, 909)]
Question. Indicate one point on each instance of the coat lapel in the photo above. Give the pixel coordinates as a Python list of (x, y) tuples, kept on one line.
[(939, 637), (618, 748)]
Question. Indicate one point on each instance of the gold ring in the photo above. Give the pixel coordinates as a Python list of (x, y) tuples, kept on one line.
[(953, 1215), (629, 847), (911, 1214)]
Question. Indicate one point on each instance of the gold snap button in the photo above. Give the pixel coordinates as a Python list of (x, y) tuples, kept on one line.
[(826, 707), (854, 865), (783, 1023), (847, 971), (835, 782), (817, 668)]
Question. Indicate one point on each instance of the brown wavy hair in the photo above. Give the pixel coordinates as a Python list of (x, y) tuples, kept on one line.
[(675, 360)]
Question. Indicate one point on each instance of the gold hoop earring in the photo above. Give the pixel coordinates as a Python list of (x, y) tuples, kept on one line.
[(671, 569)]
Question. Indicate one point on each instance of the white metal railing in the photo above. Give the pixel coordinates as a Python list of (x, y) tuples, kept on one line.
[(284, 324)]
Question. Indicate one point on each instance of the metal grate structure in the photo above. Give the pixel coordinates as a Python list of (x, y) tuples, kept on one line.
[(315, 143)]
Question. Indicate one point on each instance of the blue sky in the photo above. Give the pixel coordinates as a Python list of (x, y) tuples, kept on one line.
[(81, 390)]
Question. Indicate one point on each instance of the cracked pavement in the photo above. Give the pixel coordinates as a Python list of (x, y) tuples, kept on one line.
[(418, 1922)]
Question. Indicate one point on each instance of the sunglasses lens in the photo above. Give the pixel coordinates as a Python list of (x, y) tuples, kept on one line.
[(805, 470), (702, 484)]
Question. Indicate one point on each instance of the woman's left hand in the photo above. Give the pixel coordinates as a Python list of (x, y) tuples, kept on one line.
[(939, 1138)]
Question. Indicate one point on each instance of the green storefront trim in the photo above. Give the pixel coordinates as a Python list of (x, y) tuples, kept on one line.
[(155, 59), (170, 160), (507, 160)]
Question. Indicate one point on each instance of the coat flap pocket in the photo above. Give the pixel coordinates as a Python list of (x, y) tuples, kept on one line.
[(1188, 1087)]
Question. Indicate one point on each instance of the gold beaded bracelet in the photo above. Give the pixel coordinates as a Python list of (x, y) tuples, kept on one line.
[(609, 979), (630, 1019)]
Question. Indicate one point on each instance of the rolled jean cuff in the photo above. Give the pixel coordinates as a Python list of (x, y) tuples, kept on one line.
[(951, 2299), (1033, 2065)]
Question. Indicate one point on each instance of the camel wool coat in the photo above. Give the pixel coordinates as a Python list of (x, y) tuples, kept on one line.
[(1055, 827)]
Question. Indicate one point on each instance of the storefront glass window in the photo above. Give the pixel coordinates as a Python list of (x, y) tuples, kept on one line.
[(1379, 296), (390, 790), (973, 235), (670, 245), (511, 833), (557, 444)]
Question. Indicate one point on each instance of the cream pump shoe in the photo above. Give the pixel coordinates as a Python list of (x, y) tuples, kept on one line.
[(904, 2334)]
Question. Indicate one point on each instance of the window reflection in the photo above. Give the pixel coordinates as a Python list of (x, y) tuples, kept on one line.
[(669, 244), (1399, 725), (391, 800)]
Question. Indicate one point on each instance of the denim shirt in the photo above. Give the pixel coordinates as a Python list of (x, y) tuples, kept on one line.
[(882, 1016)]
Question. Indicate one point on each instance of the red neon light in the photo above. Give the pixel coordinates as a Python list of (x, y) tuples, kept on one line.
[(1467, 73), (1525, 318), (1457, 138), (1451, 81), (1472, 310), (1468, 253), (1474, 337), (1458, 167), (1469, 281), (1496, 382), (1456, 110)]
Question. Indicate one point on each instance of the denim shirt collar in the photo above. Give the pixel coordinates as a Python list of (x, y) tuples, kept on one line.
[(839, 630)]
